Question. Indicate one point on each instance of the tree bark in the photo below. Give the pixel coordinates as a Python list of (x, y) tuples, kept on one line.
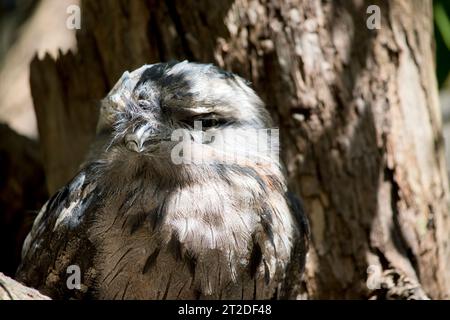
[(357, 108), (22, 190)]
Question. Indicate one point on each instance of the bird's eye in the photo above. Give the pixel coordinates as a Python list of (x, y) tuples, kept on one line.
[(209, 123), (212, 122)]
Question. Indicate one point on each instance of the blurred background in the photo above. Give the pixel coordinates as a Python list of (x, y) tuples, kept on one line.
[(27, 28), (442, 37), (38, 27)]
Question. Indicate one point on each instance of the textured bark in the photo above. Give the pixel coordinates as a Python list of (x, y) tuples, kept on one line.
[(22, 190), (358, 112), (13, 290)]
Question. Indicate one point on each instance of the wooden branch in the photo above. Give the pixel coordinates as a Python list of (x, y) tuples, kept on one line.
[(10, 289)]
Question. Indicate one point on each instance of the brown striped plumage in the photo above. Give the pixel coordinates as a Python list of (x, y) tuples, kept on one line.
[(142, 227)]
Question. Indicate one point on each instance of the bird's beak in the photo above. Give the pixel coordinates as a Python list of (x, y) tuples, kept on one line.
[(135, 141)]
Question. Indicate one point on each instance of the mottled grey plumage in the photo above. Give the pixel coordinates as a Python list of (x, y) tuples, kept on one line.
[(141, 227)]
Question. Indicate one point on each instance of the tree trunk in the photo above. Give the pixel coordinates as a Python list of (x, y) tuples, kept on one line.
[(22, 190), (357, 108)]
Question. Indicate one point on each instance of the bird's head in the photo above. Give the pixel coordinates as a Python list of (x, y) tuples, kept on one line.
[(151, 111)]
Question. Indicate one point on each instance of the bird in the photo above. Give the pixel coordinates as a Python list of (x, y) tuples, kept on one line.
[(178, 198)]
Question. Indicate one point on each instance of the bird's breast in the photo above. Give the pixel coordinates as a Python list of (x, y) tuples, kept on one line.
[(199, 241)]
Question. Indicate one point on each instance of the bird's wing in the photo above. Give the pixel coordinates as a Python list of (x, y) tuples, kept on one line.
[(59, 237), (293, 284)]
